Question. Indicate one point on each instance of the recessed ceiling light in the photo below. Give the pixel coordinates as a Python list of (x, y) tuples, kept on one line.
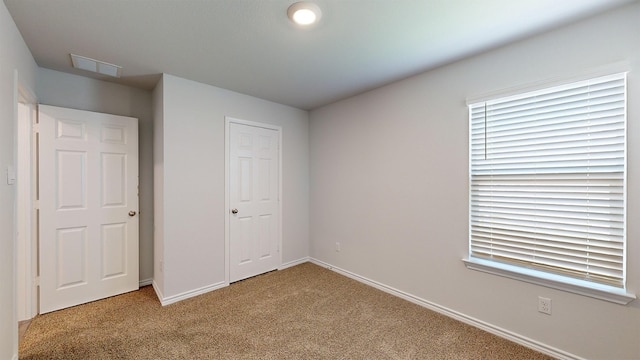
[(97, 66), (304, 13)]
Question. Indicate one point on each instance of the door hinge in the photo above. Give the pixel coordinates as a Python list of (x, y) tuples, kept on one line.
[(36, 128), (36, 204), (36, 281)]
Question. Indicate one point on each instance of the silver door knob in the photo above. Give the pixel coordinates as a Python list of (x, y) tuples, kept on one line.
[(234, 211), (132, 213)]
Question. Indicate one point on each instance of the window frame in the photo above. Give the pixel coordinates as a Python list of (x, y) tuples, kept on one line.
[(557, 281)]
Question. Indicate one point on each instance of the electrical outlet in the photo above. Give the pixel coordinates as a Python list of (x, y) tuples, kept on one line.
[(544, 305), (337, 247)]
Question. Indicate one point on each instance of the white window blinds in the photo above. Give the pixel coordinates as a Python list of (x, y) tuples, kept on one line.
[(547, 173)]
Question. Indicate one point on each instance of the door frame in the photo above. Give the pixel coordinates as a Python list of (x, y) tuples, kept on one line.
[(227, 187), (26, 221)]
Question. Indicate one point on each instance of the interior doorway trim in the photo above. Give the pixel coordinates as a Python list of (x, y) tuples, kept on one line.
[(26, 235), (227, 213)]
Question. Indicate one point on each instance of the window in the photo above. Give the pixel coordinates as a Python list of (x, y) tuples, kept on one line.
[(547, 178)]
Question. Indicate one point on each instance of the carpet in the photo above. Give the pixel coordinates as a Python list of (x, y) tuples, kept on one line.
[(303, 312)]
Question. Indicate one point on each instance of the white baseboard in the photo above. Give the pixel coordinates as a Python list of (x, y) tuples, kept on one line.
[(294, 263), (15, 357), (495, 330), (175, 298), (157, 291), (187, 294)]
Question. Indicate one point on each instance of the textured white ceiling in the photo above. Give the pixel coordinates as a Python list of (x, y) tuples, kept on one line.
[(249, 46)]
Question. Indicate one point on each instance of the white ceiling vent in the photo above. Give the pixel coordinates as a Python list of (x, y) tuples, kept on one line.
[(100, 67)]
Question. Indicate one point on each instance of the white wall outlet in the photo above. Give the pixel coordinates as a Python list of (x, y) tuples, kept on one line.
[(337, 247), (544, 305)]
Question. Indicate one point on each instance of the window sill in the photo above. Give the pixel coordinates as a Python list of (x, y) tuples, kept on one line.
[(581, 287)]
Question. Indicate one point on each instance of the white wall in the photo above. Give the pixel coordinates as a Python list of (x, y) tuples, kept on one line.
[(14, 56), (389, 181), (193, 191), (158, 186), (83, 93)]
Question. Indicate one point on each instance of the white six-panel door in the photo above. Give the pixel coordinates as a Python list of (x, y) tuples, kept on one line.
[(88, 200), (254, 226)]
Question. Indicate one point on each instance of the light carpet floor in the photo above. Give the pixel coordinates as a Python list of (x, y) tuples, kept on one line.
[(304, 312)]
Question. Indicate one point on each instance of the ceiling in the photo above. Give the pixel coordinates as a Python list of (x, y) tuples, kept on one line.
[(249, 46)]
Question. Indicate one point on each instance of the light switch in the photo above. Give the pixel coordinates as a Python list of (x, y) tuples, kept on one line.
[(11, 175)]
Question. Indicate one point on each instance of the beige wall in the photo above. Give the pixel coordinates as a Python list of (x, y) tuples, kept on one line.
[(16, 64), (83, 93), (389, 181)]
